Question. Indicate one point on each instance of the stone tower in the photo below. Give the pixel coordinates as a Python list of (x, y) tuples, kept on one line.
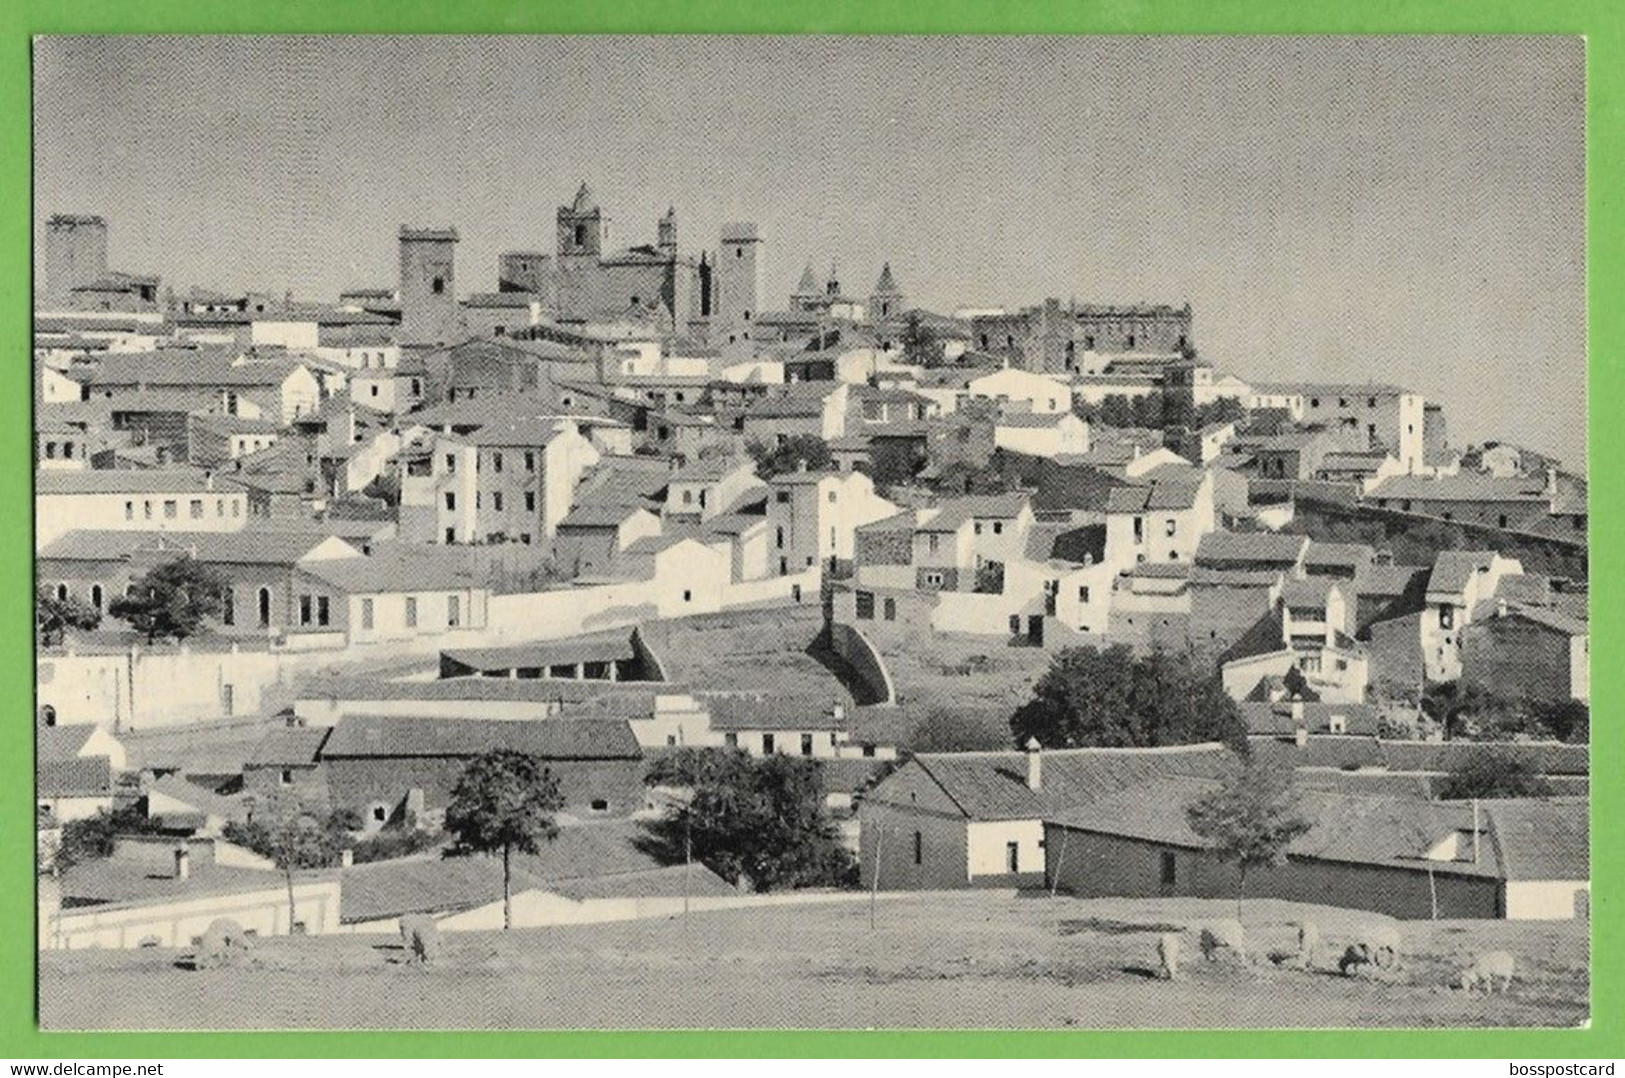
[(75, 254), (583, 228), (429, 314), (886, 301), (666, 230), (735, 276)]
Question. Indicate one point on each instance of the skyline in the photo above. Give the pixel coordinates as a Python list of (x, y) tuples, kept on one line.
[(1402, 210)]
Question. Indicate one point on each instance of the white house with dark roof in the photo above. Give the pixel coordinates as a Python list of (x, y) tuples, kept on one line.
[(1459, 587), (166, 499)]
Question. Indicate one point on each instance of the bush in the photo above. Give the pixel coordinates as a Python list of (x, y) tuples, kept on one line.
[(395, 842), (1491, 774)]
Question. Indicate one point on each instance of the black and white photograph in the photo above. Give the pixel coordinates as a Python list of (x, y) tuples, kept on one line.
[(703, 532)]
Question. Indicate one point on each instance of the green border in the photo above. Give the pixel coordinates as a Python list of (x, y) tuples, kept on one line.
[(1601, 21)]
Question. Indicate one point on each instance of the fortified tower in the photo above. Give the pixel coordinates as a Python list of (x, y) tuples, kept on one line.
[(429, 314), (736, 279), (75, 254)]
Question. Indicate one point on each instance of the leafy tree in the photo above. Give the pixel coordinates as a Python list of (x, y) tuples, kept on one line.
[(1566, 720), (172, 600), (990, 578), (1250, 818), (295, 840), (757, 819), (921, 348), (796, 450), (1489, 774), (503, 802), (1455, 706), (53, 617), (1220, 410), (94, 837), (385, 487), (1093, 696)]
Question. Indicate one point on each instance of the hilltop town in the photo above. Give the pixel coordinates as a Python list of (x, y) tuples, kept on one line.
[(984, 598)]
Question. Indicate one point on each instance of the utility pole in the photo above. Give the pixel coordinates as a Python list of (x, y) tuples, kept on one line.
[(874, 879)]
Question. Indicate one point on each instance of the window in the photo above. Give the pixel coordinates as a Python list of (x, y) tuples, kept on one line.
[(977, 527), (1503, 519), (890, 609), (366, 613), (496, 462), (1171, 527), (438, 286), (411, 612), (782, 497), (600, 805), (304, 609), (731, 739), (1447, 616), (806, 744), (768, 745), (1083, 593), (1015, 624), (265, 607), (451, 535), (1012, 852), (581, 235), (933, 580), (170, 508), (778, 537), (286, 778), (196, 508), (1139, 529), (220, 507), (530, 460), (380, 813), (96, 597), (931, 542), (451, 499), (530, 501), (323, 611), (1170, 868), (919, 848), (451, 464), (146, 510), (866, 605), (129, 510), (496, 500), (454, 611), (688, 596)]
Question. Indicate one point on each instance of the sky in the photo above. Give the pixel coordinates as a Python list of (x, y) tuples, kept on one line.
[(1405, 210)]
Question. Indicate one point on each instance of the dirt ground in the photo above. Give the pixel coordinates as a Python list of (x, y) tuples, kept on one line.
[(939, 960)]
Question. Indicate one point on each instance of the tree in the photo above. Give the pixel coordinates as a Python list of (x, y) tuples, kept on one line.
[(756, 819), (920, 345), (1106, 697), (295, 840), (790, 455), (1455, 706), (504, 802), (1250, 818), (172, 600), (1489, 774), (990, 578), (1566, 720), (94, 837), (53, 617)]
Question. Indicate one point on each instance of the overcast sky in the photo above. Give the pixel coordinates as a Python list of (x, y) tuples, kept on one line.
[(1406, 210)]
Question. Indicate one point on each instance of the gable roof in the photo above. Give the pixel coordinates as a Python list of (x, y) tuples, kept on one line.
[(388, 736), (993, 785), (1272, 547), (290, 746), (397, 567)]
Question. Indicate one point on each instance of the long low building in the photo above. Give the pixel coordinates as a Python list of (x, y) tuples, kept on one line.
[(1403, 857)]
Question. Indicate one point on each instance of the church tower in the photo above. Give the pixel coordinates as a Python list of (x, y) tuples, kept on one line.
[(583, 228), (666, 231), (805, 297), (886, 301)]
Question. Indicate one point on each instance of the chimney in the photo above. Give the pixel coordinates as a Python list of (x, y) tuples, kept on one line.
[(1300, 735), (346, 858), (183, 862), (1035, 764)]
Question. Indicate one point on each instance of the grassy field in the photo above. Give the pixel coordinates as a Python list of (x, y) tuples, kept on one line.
[(939, 960)]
